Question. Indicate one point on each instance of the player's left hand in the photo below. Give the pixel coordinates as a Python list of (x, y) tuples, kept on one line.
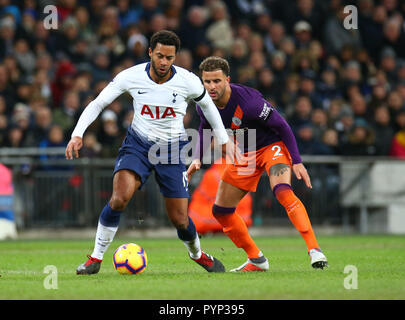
[(73, 147), (232, 152), (301, 173), (193, 168)]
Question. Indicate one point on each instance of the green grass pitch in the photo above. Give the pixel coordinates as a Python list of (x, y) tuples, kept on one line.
[(171, 275)]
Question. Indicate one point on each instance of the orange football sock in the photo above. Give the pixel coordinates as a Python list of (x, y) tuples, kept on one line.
[(297, 213), (236, 229)]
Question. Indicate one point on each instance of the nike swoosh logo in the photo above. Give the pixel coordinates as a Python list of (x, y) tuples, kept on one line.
[(141, 92)]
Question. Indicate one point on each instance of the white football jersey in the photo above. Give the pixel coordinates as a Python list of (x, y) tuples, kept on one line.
[(159, 109)]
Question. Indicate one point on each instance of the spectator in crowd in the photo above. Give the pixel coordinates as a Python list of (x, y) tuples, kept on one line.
[(15, 137), (303, 34), (220, 25), (193, 29), (308, 89), (302, 113), (91, 147), (398, 142), (274, 37), (137, 47), (361, 140), (54, 138), (330, 141), (110, 134), (126, 13), (395, 103), (345, 124), (63, 81), (268, 86), (42, 124), (400, 73), (66, 116), (328, 88), (371, 20), (393, 35), (383, 129), (101, 64), (7, 35), (319, 120), (238, 56), (184, 59), (388, 64), (359, 108), (3, 128), (306, 140)]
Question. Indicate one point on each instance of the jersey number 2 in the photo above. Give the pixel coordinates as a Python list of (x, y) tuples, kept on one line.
[(277, 150)]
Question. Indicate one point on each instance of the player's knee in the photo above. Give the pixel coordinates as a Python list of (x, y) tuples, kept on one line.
[(180, 225), (219, 211), (119, 203), (179, 219)]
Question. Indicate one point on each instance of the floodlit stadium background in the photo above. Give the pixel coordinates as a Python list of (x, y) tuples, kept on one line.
[(338, 78)]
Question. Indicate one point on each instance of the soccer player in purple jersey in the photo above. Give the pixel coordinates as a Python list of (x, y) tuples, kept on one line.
[(274, 150)]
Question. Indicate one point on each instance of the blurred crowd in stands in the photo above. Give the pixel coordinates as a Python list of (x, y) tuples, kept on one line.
[(341, 90)]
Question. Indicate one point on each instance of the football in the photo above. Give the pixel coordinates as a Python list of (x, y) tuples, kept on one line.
[(130, 258)]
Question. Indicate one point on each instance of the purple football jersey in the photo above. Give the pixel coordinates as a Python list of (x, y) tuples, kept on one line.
[(247, 110)]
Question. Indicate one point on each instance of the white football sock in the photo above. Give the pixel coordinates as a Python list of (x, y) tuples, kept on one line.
[(104, 237), (194, 248)]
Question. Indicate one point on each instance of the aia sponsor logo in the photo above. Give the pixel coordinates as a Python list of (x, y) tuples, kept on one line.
[(156, 112)]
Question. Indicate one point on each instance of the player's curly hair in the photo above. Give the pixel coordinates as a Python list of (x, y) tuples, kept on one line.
[(165, 37), (215, 63)]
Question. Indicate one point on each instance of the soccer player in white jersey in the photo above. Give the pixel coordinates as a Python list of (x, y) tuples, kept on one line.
[(160, 92)]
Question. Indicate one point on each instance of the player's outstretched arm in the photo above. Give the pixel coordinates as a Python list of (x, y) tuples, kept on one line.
[(278, 123), (73, 147), (275, 121), (114, 89)]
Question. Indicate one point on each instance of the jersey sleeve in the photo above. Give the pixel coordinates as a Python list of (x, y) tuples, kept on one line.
[(195, 87), (269, 117), (198, 93), (113, 90)]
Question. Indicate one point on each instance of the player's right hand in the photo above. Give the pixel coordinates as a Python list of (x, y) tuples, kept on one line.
[(193, 168), (73, 147)]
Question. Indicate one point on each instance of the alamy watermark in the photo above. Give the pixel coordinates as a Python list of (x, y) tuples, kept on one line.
[(51, 18), (351, 20), (351, 281), (51, 280), (207, 149)]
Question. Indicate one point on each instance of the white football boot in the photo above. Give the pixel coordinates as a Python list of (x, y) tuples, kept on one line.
[(318, 259), (255, 264)]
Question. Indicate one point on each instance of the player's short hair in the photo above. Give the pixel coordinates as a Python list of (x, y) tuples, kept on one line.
[(165, 37), (215, 63)]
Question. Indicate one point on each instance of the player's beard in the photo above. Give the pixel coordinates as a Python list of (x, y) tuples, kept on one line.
[(157, 72), (219, 95)]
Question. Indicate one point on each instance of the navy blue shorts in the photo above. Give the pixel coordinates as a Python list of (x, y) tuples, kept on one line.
[(143, 157)]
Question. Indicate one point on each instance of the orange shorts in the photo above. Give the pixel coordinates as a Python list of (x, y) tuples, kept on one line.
[(247, 176)]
